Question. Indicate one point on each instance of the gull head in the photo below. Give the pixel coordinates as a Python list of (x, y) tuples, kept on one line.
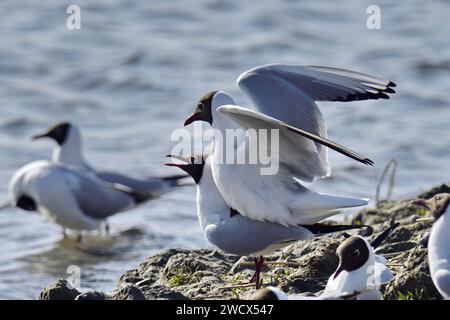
[(353, 253), (203, 110), (58, 132), (192, 165), (437, 205)]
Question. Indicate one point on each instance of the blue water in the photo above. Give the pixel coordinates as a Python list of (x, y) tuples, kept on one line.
[(134, 72)]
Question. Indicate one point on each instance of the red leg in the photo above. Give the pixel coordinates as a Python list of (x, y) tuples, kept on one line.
[(253, 278), (258, 266)]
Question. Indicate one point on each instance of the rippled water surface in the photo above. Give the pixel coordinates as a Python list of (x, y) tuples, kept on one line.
[(134, 71)]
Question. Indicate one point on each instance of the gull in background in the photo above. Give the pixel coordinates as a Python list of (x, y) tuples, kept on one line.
[(70, 196), (359, 269), (69, 151), (234, 233), (284, 97), (439, 241)]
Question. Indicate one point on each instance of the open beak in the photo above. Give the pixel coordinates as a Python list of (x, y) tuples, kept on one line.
[(196, 116), (181, 158), (39, 136), (421, 203), (178, 165)]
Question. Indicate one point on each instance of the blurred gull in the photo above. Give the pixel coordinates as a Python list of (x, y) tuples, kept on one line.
[(439, 241), (234, 233), (284, 97), (69, 151), (70, 196)]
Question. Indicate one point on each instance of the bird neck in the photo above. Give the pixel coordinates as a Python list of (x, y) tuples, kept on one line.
[(220, 121), (70, 152), (211, 207)]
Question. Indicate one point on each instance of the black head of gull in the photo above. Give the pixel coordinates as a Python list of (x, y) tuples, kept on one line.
[(203, 111), (437, 205), (192, 165), (59, 132), (353, 253), (268, 293), (26, 203)]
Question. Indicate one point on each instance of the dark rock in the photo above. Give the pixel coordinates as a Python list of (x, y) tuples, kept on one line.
[(91, 295), (161, 292), (59, 290), (127, 292)]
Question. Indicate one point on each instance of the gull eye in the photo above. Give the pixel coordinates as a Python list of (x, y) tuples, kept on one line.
[(201, 106), (355, 253), (192, 160), (437, 198)]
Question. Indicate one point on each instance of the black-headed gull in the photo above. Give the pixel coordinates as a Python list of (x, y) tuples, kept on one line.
[(359, 274), (360, 268), (273, 293), (68, 150), (439, 241), (284, 97), (70, 196), (233, 233)]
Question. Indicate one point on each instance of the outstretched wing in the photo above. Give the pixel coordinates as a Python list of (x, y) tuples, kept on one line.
[(288, 93), (299, 153)]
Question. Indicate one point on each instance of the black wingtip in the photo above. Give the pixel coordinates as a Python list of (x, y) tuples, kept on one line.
[(382, 236), (369, 162), (391, 84), (318, 228), (382, 95)]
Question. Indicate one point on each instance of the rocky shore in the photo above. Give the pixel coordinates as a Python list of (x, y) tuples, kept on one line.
[(303, 267)]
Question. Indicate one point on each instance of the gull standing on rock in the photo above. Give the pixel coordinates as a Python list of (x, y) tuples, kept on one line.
[(70, 196), (234, 233), (360, 268), (359, 274), (439, 241), (284, 97)]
